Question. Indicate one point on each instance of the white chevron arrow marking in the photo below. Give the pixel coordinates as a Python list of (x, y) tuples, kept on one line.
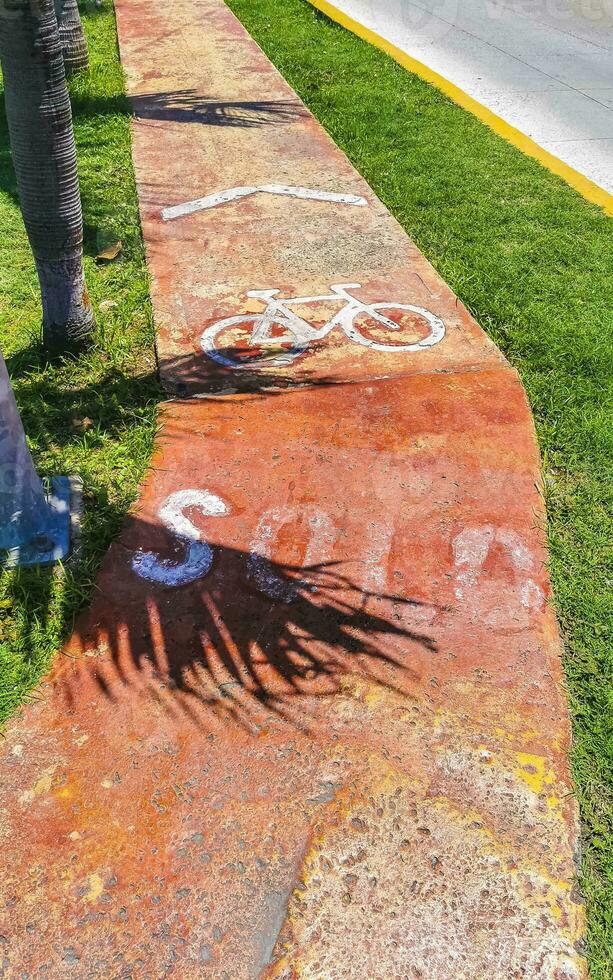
[(235, 193)]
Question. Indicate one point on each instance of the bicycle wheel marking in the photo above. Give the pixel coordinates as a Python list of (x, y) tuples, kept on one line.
[(278, 336), (435, 327), (245, 356)]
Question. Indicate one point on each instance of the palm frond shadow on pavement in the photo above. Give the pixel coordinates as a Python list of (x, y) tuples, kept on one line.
[(253, 641), (188, 106)]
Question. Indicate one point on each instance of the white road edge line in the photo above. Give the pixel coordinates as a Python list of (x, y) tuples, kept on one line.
[(235, 193)]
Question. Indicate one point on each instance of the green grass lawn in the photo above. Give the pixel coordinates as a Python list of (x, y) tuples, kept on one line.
[(93, 416), (533, 262)]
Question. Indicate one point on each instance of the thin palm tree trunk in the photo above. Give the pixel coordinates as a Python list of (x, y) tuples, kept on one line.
[(44, 156), (72, 37)]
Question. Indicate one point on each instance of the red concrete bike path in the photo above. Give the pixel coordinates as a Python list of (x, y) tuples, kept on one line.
[(313, 724)]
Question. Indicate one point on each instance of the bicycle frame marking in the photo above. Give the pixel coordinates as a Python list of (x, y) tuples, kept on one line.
[(300, 333)]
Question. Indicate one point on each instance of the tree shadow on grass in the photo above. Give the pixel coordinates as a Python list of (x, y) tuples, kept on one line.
[(8, 181), (55, 414)]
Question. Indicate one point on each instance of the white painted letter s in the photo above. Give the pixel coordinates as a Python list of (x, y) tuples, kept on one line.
[(199, 555)]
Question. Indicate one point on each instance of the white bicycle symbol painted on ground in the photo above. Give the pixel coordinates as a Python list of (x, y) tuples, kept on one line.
[(278, 335)]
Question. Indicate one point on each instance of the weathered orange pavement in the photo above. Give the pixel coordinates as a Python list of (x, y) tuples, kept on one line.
[(313, 724)]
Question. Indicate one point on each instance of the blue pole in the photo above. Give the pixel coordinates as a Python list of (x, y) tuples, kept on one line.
[(34, 524)]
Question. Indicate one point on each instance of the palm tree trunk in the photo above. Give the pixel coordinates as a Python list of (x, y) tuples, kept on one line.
[(72, 37), (44, 155)]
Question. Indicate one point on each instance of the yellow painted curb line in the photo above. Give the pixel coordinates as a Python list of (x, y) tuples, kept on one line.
[(587, 188)]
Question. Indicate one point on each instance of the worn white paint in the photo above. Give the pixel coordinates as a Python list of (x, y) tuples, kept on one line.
[(299, 332), (531, 595), (375, 572), (236, 193), (470, 550), (521, 556), (260, 569), (199, 554)]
